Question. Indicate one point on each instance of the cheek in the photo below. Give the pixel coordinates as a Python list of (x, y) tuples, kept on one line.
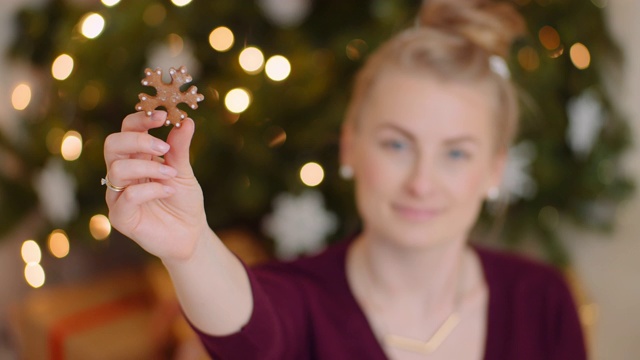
[(467, 185)]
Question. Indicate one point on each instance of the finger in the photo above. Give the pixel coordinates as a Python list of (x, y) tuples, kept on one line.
[(180, 141), (141, 122), (125, 145), (126, 208), (130, 171)]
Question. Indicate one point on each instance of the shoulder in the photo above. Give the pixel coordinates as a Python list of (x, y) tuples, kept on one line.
[(514, 270)]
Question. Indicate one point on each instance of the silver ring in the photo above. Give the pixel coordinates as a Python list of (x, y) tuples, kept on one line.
[(110, 186)]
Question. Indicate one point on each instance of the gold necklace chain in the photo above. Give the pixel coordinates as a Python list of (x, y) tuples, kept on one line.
[(424, 347), (429, 346)]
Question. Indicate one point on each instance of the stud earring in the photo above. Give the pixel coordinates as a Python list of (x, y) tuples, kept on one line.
[(346, 172), (493, 194)]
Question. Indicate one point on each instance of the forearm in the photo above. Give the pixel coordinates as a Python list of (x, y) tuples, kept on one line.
[(213, 287)]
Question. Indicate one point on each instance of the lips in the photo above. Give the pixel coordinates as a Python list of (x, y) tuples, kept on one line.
[(415, 213)]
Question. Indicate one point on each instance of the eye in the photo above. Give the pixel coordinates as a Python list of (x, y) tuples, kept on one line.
[(395, 145), (458, 154)]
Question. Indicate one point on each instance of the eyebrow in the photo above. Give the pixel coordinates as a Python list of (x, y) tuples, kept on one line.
[(406, 133)]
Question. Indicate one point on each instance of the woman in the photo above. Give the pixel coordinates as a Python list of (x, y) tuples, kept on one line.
[(425, 140)]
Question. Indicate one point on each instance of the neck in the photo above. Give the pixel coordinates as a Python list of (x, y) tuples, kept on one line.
[(426, 278)]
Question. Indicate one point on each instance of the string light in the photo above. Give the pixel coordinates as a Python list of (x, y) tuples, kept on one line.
[(154, 14), (58, 243), (237, 100), (62, 67), (71, 147), (251, 60), (277, 68), (92, 25), (221, 39), (21, 97), (110, 3), (528, 58), (311, 174), (100, 227), (549, 37), (181, 3), (89, 97), (31, 253), (34, 274), (580, 56)]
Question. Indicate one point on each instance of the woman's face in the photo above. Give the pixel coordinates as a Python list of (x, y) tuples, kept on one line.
[(423, 154)]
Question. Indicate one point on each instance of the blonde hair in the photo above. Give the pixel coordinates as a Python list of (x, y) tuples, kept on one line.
[(452, 41)]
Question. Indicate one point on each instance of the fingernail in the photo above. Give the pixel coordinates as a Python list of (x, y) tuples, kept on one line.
[(169, 190), (168, 170), (161, 146)]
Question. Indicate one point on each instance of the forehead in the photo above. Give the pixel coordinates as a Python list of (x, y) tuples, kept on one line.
[(429, 107)]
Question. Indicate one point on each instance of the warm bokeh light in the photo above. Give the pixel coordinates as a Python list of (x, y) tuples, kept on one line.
[(176, 44), (71, 147), (356, 49), (31, 253), (251, 60), (278, 68), (89, 97), (154, 14), (181, 2), (100, 227), (528, 58), (58, 243), (21, 97), (221, 39), (34, 274), (110, 3), (580, 56), (62, 67), (92, 25), (549, 37), (311, 174), (237, 100)]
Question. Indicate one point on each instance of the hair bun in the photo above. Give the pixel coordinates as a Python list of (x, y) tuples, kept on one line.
[(492, 26)]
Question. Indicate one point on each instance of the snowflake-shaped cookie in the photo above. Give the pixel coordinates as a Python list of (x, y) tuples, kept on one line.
[(169, 95)]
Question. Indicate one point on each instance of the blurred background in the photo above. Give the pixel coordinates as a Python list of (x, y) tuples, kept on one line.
[(276, 76)]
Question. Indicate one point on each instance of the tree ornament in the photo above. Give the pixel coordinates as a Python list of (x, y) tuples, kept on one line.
[(169, 95), (299, 224), (586, 118)]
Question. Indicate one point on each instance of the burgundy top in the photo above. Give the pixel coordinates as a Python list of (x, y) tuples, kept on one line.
[(305, 310)]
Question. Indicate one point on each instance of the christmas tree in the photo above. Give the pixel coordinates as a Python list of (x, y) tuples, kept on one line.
[(276, 79)]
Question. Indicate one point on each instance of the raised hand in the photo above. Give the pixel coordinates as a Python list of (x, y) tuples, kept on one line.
[(161, 206)]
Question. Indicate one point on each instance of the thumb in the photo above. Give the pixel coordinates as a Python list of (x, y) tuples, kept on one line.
[(180, 140)]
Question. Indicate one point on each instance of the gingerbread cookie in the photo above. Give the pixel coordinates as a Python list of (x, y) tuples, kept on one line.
[(169, 95)]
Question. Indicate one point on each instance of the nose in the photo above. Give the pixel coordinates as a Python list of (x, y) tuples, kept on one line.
[(422, 180)]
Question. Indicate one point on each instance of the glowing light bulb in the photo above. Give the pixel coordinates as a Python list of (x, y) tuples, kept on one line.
[(251, 60), (221, 39), (181, 3), (110, 3), (100, 227), (31, 253), (62, 67), (21, 97), (237, 100), (278, 68), (58, 243), (580, 56), (311, 174), (92, 25), (34, 274), (71, 147)]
